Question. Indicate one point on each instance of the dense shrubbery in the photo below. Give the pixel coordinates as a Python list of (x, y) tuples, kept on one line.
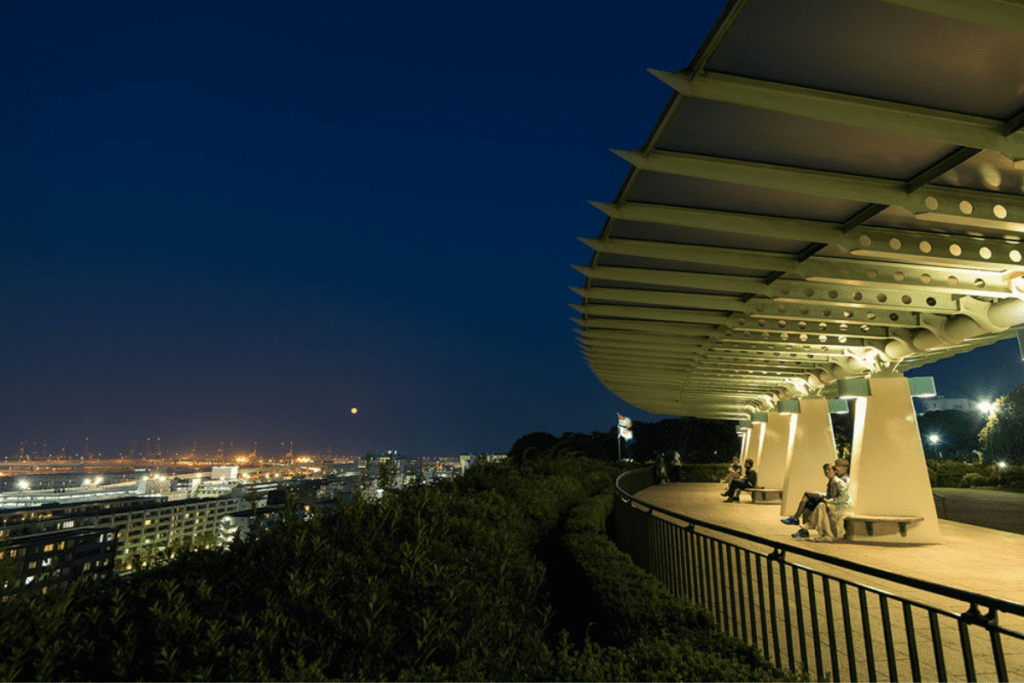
[(457, 582)]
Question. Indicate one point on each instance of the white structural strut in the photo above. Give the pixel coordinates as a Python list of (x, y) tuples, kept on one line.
[(771, 467), (813, 445), (888, 475)]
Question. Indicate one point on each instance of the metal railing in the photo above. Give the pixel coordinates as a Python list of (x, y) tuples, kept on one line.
[(825, 620)]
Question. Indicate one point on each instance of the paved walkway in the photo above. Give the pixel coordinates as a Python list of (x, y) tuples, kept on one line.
[(971, 558)]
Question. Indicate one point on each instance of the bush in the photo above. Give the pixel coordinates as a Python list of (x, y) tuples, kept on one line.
[(638, 630), (704, 472), (973, 479)]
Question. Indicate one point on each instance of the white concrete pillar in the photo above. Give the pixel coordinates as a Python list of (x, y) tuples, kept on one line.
[(754, 444), (888, 474), (812, 446), (771, 468)]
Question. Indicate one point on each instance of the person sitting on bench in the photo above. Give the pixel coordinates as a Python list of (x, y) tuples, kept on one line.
[(811, 499), (827, 518), (749, 481)]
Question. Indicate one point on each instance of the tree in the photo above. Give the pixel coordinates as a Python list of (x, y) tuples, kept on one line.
[(530, 446), (1002, 437)]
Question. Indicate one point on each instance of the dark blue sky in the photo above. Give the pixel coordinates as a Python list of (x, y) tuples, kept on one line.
[(236, 221)]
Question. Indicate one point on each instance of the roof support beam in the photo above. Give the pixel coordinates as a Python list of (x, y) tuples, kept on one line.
[(930, 200), (644, 313), (677, 300), (863, 112), (998, 14)]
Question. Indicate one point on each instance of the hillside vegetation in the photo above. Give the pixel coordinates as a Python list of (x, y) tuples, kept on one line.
[(505, 574)]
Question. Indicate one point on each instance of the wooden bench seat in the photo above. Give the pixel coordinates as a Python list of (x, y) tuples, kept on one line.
[(762, 494), (869, 522)]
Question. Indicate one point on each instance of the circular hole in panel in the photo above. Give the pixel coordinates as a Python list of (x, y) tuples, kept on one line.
[(842, 340), (782, 323), (926, 278), (833, 294), (955, 249), (783, 290), (979, 283), (953, 282), (999, 211), (803, 337), (847, 314), (966, 207), (764, 335), (906, 299), (931, 203), (843, 327), (872, 273), (782, 309), (822, 326), (895, 244), (894, 317), (898, 276), (808, 292), (926, 247), (785, 336), (865, 241), (1015, 256), (985, 253), (826, 312), (871, 315), (760, 323), (881, 298), (930, 301), (741, 320), (759, 307), (804, 310), (857, 296), (865, 328), (802, 324)]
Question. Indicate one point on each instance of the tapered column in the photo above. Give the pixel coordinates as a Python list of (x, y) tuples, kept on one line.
[(755, 441), (771, 468), (888, 474), (812, 446)]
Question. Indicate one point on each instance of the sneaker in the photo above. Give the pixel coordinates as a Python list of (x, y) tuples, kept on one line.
[(803, 533), (725, 493), (790, 520)]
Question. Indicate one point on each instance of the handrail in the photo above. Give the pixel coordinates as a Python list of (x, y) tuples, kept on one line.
[(988, 601)]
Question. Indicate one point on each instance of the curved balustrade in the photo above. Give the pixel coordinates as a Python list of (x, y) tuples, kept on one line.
[(824, 619)]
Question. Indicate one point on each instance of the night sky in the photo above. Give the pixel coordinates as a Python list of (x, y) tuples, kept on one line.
[(237, 221)]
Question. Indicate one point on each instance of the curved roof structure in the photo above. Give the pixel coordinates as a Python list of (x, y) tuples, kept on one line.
[(834, 189)]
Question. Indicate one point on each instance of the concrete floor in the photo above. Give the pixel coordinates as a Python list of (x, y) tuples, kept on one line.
[(970, 557)]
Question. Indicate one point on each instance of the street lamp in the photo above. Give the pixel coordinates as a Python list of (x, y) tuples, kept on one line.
[(1002, 466), (935, 440), (985, 406)]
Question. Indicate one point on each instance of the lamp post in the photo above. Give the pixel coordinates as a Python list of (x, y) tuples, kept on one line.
[(1002, 466), (935, 440)]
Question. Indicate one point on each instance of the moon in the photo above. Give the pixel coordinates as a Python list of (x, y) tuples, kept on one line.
[(355, 410)]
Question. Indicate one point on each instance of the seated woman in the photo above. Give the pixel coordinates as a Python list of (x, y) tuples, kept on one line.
[(827, 518), (810, 499)]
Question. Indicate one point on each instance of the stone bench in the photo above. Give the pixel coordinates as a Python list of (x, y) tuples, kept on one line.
[(869, 522), (762, 494)]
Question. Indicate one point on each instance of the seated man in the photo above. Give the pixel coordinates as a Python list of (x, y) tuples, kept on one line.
[(748, 481), (735, 472), (827, 518), (811, 499)]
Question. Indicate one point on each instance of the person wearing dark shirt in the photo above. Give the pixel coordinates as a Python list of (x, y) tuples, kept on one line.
[(748, 481)]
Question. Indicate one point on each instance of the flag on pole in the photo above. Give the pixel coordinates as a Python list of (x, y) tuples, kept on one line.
[(625, 433), (624, 421)]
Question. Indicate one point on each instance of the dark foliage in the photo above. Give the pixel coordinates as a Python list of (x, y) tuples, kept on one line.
[(432, 583)]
